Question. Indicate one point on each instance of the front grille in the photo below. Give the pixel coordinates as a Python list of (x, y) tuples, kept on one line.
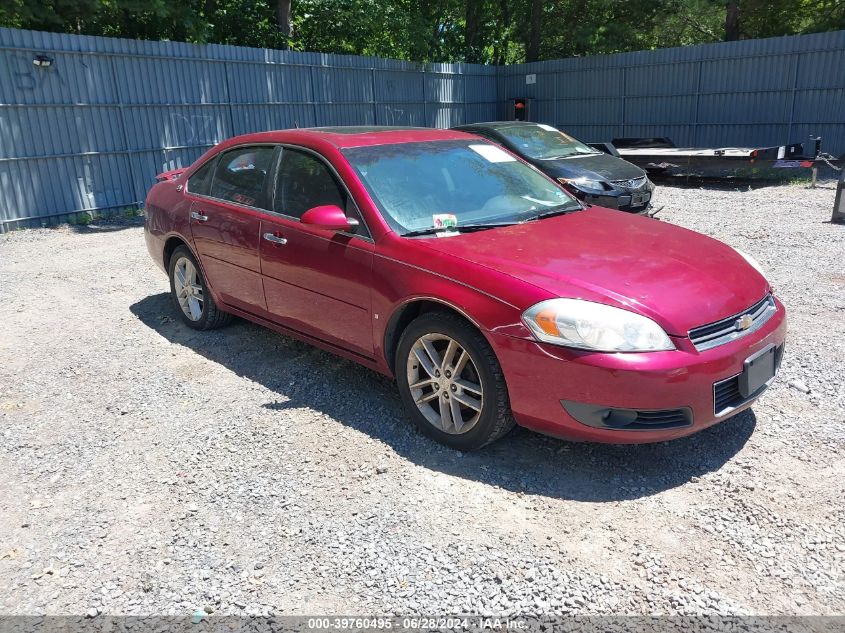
[(727, 330), (629, 185)]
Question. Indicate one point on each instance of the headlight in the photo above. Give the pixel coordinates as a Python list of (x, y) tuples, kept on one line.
[(752, 262), (594, 326), (582, 184)]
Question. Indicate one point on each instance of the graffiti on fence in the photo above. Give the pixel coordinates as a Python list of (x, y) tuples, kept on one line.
[(194, 129)]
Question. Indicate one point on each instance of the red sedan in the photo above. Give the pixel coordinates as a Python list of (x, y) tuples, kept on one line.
[(491, 294)]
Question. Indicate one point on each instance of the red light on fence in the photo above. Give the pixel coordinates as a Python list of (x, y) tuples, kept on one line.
[(520, 110)]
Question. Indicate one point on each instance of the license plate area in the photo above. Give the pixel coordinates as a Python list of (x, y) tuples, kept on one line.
[(639, 199), (757, 371)]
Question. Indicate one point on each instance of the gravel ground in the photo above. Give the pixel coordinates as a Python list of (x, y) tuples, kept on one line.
[(149, 469)]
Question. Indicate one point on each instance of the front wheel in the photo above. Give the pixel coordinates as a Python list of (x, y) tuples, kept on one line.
[(451, 382), (190, 293)]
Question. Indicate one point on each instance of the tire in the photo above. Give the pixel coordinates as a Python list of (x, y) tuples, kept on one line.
[(197, 309), (456, 388)]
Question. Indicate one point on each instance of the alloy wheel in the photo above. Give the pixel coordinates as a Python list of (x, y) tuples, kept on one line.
[(445, 383), (188, 288)]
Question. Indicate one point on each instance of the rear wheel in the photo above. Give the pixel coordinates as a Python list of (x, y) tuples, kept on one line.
[(451, 382), (190, 293)]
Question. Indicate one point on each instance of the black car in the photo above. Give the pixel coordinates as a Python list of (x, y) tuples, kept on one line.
[(591, 175)]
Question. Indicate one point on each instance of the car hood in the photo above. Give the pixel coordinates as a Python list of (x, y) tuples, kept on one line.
[(592, 166), (677, 277)]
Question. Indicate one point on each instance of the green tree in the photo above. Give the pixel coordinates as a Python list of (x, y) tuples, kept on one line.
[(486, 31)]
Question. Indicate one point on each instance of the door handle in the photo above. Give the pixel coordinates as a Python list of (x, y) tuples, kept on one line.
[(276, 239), (199, 217)]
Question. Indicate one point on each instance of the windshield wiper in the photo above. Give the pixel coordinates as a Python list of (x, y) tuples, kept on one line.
[(558, 210), (572, 155), (463, 228)]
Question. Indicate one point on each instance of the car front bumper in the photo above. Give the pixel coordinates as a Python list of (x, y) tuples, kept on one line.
[(632, 201), (551, 388)]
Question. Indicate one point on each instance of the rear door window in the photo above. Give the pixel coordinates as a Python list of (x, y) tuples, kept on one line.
[(241, 176), (200, 182)]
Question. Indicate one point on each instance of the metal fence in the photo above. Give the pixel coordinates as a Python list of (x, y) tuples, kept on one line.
[(90, 131), (748, 93)]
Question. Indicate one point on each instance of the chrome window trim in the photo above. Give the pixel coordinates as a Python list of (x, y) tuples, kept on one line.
[(366, 238)]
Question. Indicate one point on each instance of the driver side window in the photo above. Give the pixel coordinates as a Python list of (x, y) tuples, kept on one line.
[(305, 182)]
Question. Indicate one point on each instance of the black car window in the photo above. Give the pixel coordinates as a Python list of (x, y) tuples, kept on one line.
[(241, 175), (543, 142), (305, 182), (200, 182)]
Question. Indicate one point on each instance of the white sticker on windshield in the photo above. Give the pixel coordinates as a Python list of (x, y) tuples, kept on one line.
[(492, 153), (548, 128), (444, 220)]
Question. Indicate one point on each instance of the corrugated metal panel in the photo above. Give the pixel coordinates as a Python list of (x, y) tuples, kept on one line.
[(156, 127), (755, 92), (342, 85), (72, 78), (668, 110), (75, 130), (400, 87), (269, 83), (676, 78), (588, 111), (92, 131), (445, 116), (345, 114), (739, 135), (264, 117), (63, 185), (400, 114), (745, 108), (444, 88), (170, 81)]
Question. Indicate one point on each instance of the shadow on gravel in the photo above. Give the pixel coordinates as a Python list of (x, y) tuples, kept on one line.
[(305, 377), (107, 226)]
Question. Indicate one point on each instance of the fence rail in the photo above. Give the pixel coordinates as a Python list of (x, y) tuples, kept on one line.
[(90, 131)]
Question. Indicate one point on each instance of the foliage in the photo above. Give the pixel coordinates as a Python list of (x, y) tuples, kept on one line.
[(486, 31)]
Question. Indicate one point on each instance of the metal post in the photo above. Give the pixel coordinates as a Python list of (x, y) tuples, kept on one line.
[(839, 204), (814, 178)]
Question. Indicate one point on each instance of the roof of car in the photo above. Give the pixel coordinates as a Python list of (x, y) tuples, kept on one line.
[(360, 136)]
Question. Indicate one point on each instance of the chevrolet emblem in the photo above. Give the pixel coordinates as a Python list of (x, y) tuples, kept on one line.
[(744, 322)]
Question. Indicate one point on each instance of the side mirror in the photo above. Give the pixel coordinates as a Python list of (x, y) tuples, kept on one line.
[(329, 217)]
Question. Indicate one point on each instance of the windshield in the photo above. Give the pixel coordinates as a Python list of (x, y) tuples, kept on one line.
[(449, 184), (543, 142)]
